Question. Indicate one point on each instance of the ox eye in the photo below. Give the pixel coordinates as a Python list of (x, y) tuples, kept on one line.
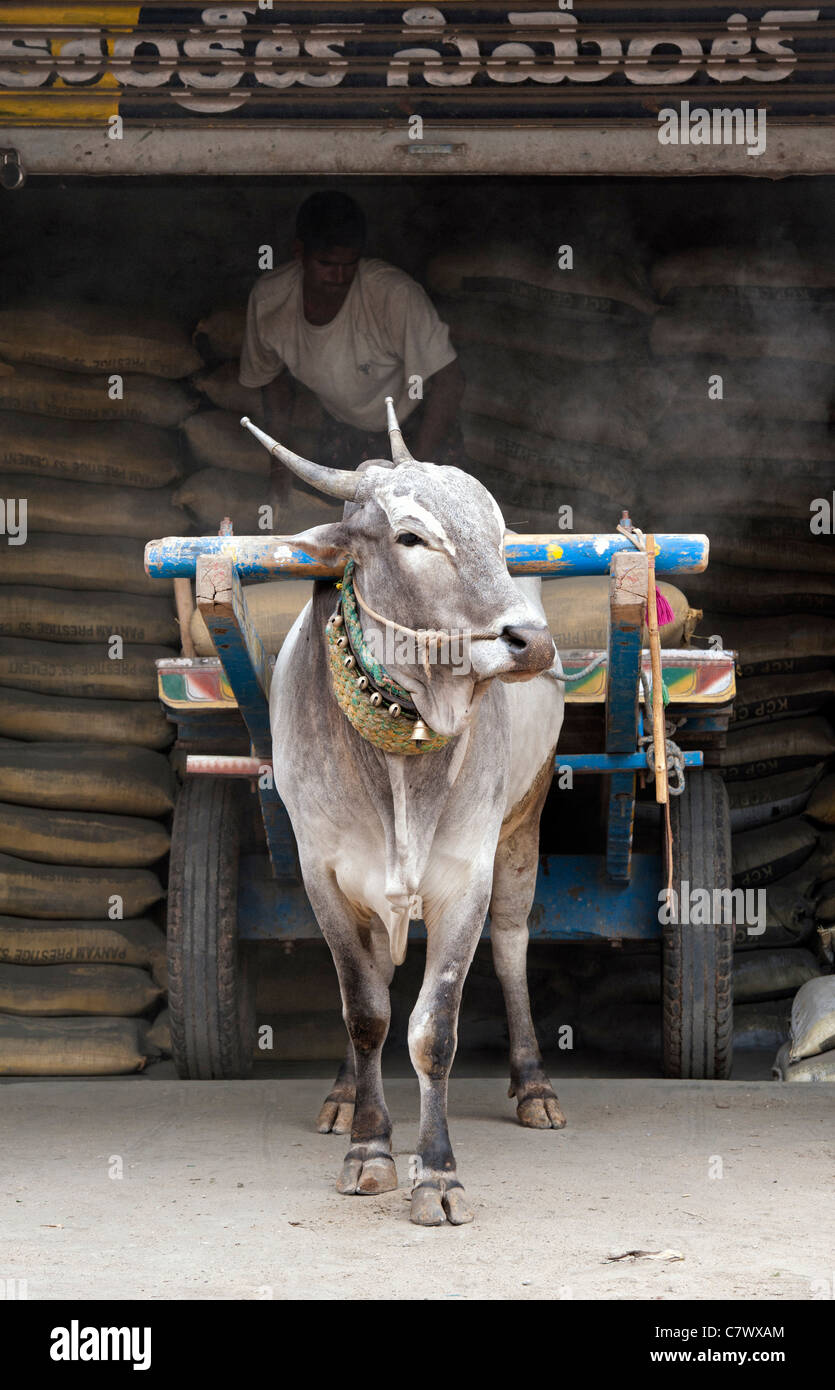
[(409, 538)]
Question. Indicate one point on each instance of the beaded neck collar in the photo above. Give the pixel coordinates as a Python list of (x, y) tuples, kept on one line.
[(372, 701)]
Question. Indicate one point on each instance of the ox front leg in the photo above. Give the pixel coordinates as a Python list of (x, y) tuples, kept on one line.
[(437, 1193), (368, 1167), (514, 882)]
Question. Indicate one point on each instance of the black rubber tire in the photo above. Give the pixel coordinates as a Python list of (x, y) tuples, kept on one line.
[(210, 984), (698, 960)]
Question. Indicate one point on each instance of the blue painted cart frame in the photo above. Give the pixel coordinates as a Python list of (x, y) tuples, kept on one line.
[(612, 896)]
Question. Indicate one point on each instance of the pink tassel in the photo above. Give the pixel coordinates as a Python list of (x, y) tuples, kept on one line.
[(664, 612)]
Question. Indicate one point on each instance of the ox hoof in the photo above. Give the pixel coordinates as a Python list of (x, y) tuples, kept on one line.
[(540, 1112), (366, 1177), (335, 1117), (432, 1207)]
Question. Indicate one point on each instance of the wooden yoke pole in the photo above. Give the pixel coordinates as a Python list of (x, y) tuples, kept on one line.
[(659, 732)]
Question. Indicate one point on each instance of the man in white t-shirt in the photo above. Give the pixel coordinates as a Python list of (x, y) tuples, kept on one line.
[(354, 330)]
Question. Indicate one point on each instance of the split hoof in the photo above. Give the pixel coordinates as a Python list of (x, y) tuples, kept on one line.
[(335, 1117), (367, 1177), (540, 1112), (432, 1207)]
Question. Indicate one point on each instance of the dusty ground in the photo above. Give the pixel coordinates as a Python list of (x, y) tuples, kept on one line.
[(227, 1192)]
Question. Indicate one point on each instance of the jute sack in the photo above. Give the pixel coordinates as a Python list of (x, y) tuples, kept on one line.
[(124, 453), (813, 1019), (599, 290), (783, 272), (775, 387), (704, 488), (221, 333), (273, 608), (218, 440), (49, 990), (781, 646), (29, 716), (26, 941), (763, 975), (149, 400), (81, 837), (93, 338), (763, 698), (54, 890), (565, 405), (213, 494), (220, 385), (785, 545), (776, 450), (527, 457), (475, 320), (95, 508), (761, 1025), (821, 806), (825, 905), (770, 799), (83, 615), (71, 562), (158, 1033), (763, 593), (85, 777), (59, 668), (820, 1068), (72, 1046), (578, 613), (770, 852), (779, 747), (789, 913), (729, 327)]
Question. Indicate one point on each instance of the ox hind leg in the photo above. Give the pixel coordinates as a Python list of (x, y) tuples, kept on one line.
[(514, 881), (337, 1113)]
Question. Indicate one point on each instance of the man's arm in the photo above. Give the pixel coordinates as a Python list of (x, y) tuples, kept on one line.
[(444, 391)]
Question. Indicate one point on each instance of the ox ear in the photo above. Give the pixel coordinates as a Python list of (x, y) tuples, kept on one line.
[(329, 544)]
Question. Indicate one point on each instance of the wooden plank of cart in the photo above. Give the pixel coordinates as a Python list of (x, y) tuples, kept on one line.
[(234, 877)]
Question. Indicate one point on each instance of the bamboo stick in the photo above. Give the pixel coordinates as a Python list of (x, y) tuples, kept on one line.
[(659, 733)]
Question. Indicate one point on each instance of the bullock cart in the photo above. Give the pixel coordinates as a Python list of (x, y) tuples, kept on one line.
[(234, 877)]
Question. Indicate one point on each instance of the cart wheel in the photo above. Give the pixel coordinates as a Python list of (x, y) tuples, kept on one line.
[(698, 960), (210, 989)]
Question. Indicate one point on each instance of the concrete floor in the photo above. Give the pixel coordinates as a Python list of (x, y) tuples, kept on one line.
[(226, 1191)]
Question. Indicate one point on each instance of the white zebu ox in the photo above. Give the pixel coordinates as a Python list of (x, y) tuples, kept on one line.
[(443, 834)]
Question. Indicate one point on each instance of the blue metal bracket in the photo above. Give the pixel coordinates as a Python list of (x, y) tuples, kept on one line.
[(617, 763)]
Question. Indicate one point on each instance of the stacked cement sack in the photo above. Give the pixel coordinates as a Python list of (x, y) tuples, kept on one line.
[(746, 344), (809, 1054), (229, 471), (555, 364), (91, 405)]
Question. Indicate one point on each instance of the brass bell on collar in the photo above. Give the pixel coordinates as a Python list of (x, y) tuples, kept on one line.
[(420, 732)]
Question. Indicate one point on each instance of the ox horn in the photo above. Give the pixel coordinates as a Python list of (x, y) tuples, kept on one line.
[(337, 482), (399, 452)]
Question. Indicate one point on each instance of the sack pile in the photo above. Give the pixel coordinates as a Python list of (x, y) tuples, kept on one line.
[(91, 406), (542, 349), (229, 471)]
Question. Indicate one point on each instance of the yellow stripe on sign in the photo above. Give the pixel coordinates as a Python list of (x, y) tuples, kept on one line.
[(30, 108)]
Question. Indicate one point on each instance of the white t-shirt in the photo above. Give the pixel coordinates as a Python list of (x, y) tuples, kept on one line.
[(386, 331)]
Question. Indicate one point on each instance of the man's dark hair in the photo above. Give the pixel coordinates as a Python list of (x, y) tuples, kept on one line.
[(330, 219)]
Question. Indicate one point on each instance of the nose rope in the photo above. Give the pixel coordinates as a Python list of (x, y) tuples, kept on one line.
[(424, 635)]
